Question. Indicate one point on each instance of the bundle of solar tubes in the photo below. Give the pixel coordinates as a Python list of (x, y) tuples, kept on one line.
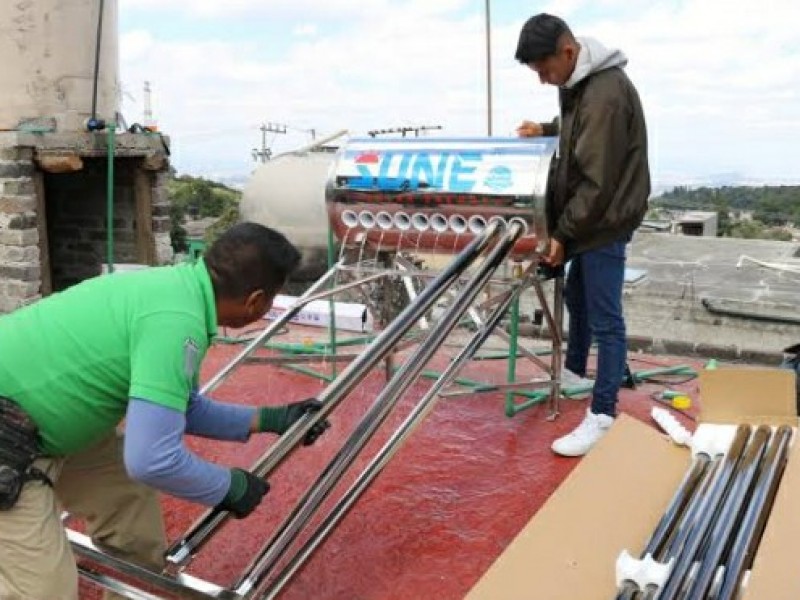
[(711, 529)]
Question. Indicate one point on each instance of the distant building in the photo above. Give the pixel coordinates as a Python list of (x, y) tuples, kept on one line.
[(656, 225), (697, 223), (195, 235)]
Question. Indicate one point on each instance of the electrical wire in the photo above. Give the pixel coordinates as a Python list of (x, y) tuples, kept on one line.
[(97, 59)]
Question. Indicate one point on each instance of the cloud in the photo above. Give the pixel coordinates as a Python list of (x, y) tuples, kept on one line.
[(274, 9), (307, 30), (718, 79)]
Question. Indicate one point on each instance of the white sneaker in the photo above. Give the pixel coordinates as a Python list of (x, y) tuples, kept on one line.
[(570, 379), (584, 436)]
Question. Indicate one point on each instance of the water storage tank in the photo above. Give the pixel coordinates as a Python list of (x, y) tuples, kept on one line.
[(435, 194), (47, 48), (288, 193)]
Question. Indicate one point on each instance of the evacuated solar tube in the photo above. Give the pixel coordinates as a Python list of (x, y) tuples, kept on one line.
[(728, 516), (501, 220), (522, 221), (749, 532), (687, 542), (438, 223), (384, 220), (402, 221), (458, 223), (420, 222), (476, 224), (366, 219), (350, 219)]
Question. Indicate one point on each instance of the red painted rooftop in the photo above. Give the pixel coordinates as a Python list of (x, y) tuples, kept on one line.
[(454, 496)]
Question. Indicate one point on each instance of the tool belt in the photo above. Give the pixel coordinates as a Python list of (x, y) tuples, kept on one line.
[(19, 447)]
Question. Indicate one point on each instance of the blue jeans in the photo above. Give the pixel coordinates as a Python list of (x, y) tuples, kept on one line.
[(593, 296)]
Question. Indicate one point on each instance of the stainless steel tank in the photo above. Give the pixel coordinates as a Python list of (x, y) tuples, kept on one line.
[(47, 48), (288, 193), (433, 195)]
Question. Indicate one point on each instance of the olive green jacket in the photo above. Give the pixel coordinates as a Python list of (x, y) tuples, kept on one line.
[(600, 181)]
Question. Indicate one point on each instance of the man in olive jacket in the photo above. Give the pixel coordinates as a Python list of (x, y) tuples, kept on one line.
[(598, 195)]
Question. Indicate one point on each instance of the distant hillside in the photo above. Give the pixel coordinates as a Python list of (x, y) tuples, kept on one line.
[(771, 205), (200, 198)]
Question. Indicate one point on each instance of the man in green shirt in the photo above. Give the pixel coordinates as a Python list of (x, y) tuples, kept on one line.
[(130, 345)]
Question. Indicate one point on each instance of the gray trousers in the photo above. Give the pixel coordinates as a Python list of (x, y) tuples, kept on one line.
[(36, 560)]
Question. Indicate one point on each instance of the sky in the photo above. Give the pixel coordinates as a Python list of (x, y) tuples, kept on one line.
[(719, 79)]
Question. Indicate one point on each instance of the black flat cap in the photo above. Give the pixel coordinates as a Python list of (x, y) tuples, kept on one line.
[(539, 37)]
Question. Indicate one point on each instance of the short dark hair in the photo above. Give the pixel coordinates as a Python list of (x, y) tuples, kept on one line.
[(539, 37), (249, 257)]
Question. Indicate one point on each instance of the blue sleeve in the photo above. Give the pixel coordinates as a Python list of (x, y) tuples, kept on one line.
[(155, 455), (217, 420)]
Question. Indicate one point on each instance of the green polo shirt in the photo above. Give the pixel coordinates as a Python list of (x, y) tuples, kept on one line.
[(73, 359)]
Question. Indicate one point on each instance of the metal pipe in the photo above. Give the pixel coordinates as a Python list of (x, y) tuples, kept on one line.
[(511, 371), (309, 373), (184, 585), (331, 303), (181, 550), (672, 516), (755, 519), (557, 334), (724, 524), (686, 523), (316, 144), (488, 69), (377, 464), (627, 590), (266, 560), (270, 330), (678, 506), (689, 544), (555, 323), (108, 582), (404, 272), (302, 358)]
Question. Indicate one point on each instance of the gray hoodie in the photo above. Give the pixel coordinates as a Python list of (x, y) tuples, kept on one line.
[(594, 57)]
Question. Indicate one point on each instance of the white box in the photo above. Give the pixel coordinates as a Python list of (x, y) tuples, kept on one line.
[(350, 316)]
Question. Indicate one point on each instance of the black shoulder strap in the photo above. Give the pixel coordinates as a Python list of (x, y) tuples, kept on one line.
[(34, 474)]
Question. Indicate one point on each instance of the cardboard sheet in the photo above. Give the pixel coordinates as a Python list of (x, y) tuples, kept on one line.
[(611, 501), (743, 395), (616, 495)]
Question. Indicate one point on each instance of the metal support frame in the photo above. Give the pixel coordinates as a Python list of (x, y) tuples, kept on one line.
[(553, 313), (407, 330), (180, 585)]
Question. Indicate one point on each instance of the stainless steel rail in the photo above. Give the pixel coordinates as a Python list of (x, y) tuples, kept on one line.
[(387, 452), (183, 549), (183, 586), (262, 565)]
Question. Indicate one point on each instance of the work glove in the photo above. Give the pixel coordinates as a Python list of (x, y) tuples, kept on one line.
[(279, 419), (245, 493)]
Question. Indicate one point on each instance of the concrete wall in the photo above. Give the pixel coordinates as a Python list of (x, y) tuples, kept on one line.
[(20, 269), (48, 55), (53, 210), (671, 310)]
